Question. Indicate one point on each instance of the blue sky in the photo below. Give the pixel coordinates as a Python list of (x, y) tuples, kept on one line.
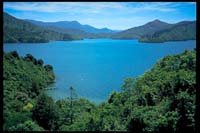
[(113, 15)]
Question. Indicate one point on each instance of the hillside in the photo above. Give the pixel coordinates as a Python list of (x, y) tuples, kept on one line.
[(75, 29), (24, 78), (158, 31), (79, 34), (182, 31), (16, 30), (137, 32), (161, 100)]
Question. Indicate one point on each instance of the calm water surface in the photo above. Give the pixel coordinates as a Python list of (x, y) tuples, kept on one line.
[(96, 67)]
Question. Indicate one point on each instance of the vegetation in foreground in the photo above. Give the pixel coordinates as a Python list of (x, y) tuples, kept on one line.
[(162, 100)]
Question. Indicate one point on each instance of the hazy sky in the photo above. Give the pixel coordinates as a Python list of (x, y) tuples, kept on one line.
[(113, 15)]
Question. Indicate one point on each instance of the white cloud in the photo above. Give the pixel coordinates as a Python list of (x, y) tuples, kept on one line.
[(116, 15), (85, 7), (155, 6)]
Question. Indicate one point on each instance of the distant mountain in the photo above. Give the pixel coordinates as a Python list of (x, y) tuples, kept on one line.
[(16, 30), (137, 32), (181, 31), (72, 25), (158, 31)]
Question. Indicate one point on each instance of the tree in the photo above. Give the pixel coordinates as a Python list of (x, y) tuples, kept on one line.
[(136, 125), (44, 112), (12, 119), (128, 84), (29, 126), (48, 68), (23, 82), (73, 95), (29, 57), (40, 62), (14, 54), (186, 112)]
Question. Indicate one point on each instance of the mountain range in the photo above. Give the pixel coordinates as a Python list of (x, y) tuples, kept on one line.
[(137, 32), (158, 31), (75, 29), (72, 25), (17, 30), (185, 30)]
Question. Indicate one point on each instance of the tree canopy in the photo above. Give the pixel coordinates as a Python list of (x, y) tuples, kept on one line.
[(160, 100)]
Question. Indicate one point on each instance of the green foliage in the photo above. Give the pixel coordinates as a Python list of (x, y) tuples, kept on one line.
[(164, 97), (23, 80), (13, 119), (44, 112), (161, 100), (81, 109), (40, 62), (28, 126), (73, 95)]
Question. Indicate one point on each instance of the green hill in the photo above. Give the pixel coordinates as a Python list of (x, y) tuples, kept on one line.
[(137, 32), (179, 32), (158, 31), (16, 30)]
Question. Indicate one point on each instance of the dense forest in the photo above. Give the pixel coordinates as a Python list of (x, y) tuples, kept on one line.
[(161, 100), (23, 80), (20, 31)]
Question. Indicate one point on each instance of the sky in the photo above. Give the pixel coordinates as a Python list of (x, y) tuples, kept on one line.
[(112, 15)]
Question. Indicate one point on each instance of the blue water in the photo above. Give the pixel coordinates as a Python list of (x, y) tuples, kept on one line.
[(96, 67)]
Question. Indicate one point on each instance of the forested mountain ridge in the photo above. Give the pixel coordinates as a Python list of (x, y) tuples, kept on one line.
[(72, 25), (75, 29), (161, 100), (185, 30), (79, 34), (158, 31), (16, 30), (137, 32)]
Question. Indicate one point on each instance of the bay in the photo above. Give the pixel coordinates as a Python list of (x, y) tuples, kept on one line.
[(96, 67)]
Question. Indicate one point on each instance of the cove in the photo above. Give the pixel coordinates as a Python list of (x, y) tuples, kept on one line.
[(96, 67)]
